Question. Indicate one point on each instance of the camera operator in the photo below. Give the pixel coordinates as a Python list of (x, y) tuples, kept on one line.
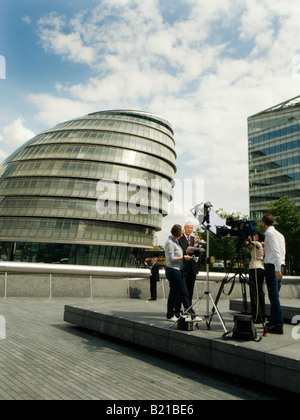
[(257, 276)]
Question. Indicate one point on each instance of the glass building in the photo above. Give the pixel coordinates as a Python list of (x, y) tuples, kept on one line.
[(90, 191), (274, 156)]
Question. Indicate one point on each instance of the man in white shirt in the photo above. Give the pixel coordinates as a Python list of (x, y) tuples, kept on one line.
[(274, 264)]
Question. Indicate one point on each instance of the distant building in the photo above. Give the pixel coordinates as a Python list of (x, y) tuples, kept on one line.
[(274, 156), (90, 191)]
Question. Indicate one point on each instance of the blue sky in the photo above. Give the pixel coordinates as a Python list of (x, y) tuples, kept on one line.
[(204, 65)]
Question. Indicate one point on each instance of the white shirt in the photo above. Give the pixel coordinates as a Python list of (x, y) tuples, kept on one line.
[(274, 248)]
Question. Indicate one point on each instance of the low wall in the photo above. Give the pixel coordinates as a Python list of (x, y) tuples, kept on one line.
[(50, 280)]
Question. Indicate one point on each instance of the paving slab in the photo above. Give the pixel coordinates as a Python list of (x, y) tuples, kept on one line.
[(45, 358)]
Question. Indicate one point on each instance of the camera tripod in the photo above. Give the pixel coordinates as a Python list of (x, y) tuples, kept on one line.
[(238, 266)]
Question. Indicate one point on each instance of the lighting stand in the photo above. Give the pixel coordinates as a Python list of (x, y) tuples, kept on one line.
[(208, 293)]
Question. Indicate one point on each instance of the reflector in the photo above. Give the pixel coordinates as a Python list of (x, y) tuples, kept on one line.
[(207, 217)]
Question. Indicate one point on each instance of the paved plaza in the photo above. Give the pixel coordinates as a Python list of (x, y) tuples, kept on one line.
[(44, 358)]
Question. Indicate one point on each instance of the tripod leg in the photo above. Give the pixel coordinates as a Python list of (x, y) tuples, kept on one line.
[(225, 281), (234, 263), (218, 313), (243, 278), (244, 294), (216, 302), (255, 301)]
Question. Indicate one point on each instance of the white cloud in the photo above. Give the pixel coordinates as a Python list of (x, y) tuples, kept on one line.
[(53, 110), (15, 134), (69, 45), (256, 19), (3, 155), (26, 19), (206, 72)]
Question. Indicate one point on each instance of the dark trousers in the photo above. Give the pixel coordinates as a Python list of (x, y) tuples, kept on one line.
[(274, 287), (178, 292), (257, 295), (153, 288), (190, 280)]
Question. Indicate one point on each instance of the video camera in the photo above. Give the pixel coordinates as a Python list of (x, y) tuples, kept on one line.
[(238, 228)]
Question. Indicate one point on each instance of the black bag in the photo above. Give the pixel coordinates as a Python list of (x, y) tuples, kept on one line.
[(184, 325), (244, 328)]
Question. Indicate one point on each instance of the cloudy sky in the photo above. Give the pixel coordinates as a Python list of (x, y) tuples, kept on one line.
[(204, 65)]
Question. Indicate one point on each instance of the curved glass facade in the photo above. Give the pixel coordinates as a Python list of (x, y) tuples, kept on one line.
[(92, 190)]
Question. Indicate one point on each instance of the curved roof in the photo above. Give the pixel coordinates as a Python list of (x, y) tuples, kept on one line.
[(294, 102)]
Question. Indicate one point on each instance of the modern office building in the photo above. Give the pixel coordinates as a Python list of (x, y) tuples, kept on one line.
[(90, 191), (274, 156)]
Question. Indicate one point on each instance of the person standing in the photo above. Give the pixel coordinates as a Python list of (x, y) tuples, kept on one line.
[(275, 251), (154, 278), (190, 268), (174, 262), (257, 277)]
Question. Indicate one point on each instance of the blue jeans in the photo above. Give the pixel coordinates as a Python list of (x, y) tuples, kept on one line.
[(178, 291), (274, 287)]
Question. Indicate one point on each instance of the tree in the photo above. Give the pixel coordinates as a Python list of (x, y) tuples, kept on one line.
[(288, 223), (220, 248)]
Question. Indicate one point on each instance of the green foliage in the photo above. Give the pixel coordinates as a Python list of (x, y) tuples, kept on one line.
[(288, 223), (220, 248)]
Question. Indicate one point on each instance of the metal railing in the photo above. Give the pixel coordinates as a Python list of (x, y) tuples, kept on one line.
[(25, 267), (89, 273)]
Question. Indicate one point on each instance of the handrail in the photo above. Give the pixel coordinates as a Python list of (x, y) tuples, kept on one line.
[(128, 273)]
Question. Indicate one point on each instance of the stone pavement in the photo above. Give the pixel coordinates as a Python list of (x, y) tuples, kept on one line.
[(44, 358)]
